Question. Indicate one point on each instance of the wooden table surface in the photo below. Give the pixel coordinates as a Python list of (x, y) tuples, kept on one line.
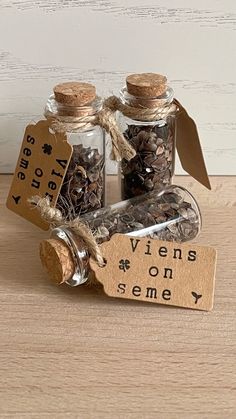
[(75, 353)]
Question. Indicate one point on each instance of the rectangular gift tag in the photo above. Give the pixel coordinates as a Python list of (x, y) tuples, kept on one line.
[(158, 272), (189, 147), (40, 170)]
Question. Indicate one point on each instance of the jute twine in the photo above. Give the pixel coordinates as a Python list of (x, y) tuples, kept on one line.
[(141, 113), (55, 218), (121, 149)]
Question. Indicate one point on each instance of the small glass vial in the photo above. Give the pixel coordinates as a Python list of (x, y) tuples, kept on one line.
[(172, 215), (151, 132), (83, 189)]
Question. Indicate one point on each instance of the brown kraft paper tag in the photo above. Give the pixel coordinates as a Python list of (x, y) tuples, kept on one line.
[(40, 170), (158, 272), (189, 147)]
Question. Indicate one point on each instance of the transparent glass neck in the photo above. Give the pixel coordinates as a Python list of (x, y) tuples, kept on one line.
[(78, 253), (56, 109), (150, 102)]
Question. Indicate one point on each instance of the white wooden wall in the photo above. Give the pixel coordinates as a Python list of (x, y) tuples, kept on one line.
[(191, 41)]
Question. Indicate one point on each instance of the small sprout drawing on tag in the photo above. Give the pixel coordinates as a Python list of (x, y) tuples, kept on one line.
[(124, 264), (16, 199), (196, 296), (47, 149)]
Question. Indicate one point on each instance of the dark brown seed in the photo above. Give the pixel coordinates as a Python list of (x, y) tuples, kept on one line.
[(176, 219), (154, 146), (83, 187)]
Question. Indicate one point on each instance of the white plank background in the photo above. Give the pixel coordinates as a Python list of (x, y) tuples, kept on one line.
[(191, 41)]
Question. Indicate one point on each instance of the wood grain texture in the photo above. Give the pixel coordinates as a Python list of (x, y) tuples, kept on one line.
[(192, 42), (75, 353)]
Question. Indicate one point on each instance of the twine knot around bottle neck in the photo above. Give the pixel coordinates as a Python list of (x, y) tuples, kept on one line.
[(140, 112), (146, 97), (55, 218), (104, 118)]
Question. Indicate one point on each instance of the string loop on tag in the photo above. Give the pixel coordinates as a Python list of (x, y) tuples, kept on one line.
[(105, 119), (54, 217)]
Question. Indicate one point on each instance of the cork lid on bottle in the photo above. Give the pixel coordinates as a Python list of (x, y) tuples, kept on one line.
[(75, 93), (57, 259), (146, 85)]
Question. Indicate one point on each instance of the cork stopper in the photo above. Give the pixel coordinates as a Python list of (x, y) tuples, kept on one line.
[(146, 85), (74, 93), (56, 258)]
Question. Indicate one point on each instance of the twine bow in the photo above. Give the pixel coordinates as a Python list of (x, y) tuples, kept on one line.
[(55, 218), (105, 119)]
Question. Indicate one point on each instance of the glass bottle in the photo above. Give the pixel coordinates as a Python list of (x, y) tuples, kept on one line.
[(83, 188), (172, 215), (153, 139)]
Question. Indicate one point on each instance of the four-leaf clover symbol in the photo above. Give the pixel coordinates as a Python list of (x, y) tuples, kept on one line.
[(124, 264), (47, 149)]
